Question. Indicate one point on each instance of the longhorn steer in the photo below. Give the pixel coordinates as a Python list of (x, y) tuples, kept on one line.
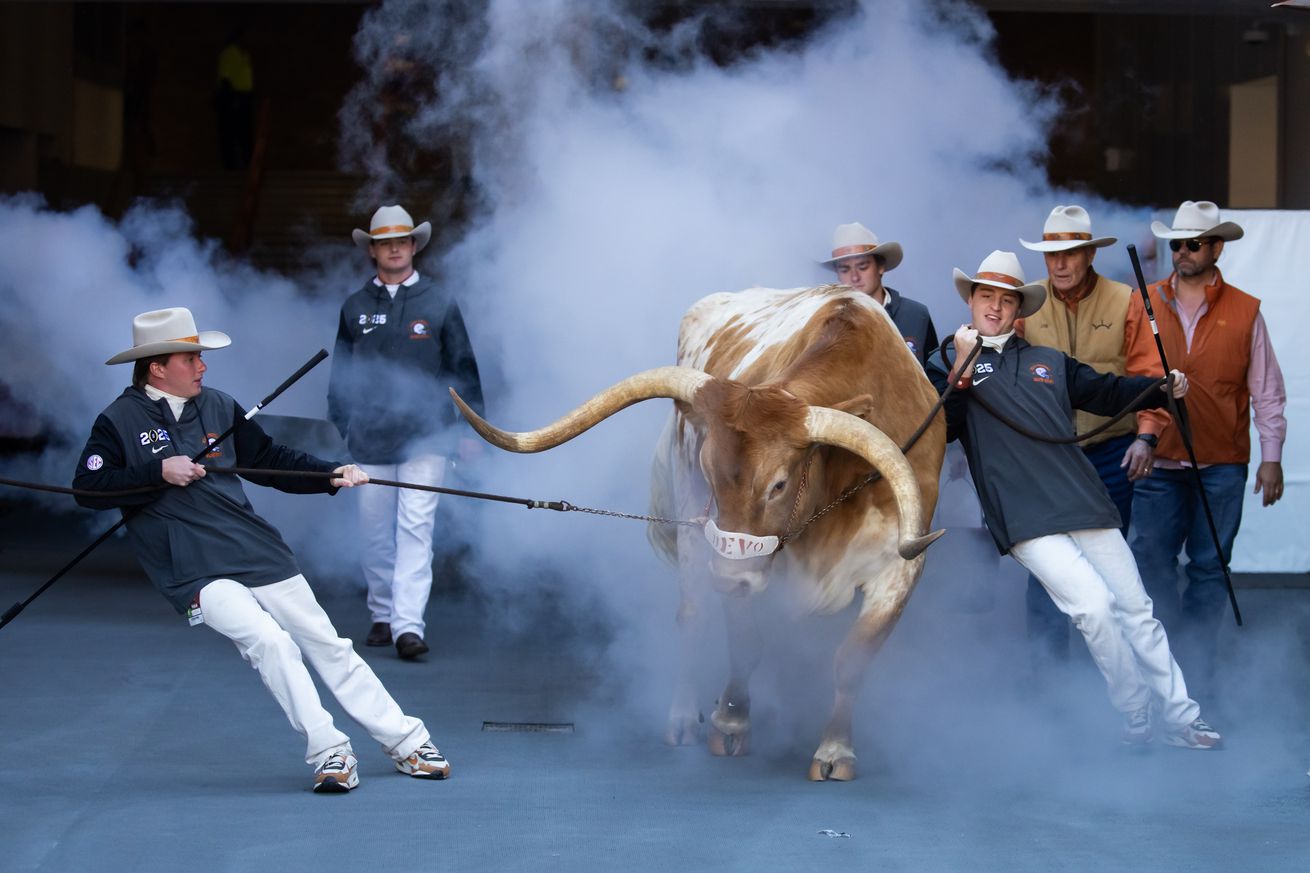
[(783, 399)]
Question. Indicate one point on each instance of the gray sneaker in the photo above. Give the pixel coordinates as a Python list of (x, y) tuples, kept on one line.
[(1197, 735), (1137, 727)]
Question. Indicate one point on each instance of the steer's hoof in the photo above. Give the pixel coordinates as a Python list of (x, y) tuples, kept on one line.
[(729, 745), (841, 770), (683, 731)]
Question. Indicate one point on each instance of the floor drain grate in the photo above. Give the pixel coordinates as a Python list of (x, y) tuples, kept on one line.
[(529, 727)]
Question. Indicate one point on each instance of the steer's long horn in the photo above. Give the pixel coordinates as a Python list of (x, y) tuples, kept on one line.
[(678, 383), (836, 428)]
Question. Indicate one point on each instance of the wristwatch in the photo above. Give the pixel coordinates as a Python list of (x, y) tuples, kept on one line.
[(1149, 438)]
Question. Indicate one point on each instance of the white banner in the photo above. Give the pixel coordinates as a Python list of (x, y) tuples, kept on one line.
[(1266, 264)]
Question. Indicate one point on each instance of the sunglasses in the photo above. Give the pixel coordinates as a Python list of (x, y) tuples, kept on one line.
[(1193, 245)]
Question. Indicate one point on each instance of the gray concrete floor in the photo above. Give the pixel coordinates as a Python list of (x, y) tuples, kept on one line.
[(135, 743)]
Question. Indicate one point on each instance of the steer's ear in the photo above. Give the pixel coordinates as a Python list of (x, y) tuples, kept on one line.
[(692, 412), (860, 406), (708, 396)]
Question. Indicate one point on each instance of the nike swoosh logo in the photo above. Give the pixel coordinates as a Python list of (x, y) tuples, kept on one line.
[(157, 450), (368, 330), (983, 379)]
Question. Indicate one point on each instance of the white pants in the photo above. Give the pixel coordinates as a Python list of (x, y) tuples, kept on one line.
[(272, 625), (1093, 579), (397, 526)]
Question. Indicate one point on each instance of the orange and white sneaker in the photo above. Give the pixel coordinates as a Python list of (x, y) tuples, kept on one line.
[(425, 763), (337, 774), (1197, 735)]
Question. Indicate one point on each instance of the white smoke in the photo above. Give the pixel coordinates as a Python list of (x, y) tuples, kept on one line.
[(620, 176), (624, 175)]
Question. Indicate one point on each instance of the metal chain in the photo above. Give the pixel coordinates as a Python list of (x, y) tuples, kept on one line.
[(840, 499), (565, 506)]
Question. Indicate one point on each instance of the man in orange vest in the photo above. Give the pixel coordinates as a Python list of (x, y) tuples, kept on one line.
[(1214, 333), (1101, 323)]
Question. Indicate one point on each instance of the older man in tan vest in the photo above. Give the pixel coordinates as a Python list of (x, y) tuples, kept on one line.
[(1101, 323)]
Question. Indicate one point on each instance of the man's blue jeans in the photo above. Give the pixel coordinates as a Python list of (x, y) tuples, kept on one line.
[(1048, 628), (1169, 516)]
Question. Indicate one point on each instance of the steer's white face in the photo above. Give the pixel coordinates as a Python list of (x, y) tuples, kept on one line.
[(753, 462)]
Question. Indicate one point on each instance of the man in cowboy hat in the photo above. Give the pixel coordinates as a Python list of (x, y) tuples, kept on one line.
[(1104, 324), (860, 261), (204, 548), (401, 344), (1217, 333), (1043, 501)]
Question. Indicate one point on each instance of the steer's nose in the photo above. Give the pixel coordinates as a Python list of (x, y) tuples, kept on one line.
[(740, 577)]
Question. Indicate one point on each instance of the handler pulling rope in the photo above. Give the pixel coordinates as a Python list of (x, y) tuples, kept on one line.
[(13, 611)]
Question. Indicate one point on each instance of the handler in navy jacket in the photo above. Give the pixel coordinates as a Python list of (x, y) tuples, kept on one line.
[(1044, 502), (401, 344), (202, 545)]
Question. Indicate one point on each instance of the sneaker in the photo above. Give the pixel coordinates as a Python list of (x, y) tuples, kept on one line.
[(1137, 727), (337, 774), (1197, 735), (425, 763)]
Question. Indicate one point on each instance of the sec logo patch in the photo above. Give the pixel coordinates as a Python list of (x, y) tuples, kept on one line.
[(95, 462)]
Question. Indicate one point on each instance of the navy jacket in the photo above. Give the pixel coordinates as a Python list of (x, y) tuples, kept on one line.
[(1029, 488), (914, 322), (185, 538), (393, 363)]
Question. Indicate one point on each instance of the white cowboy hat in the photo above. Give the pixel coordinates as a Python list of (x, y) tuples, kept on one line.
[(1002, 270), (1068, 227), (163, 331), (1197, 219), (854, 239), (390, 222)]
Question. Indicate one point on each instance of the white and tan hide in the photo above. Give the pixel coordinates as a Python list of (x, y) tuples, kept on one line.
[(783, 400)]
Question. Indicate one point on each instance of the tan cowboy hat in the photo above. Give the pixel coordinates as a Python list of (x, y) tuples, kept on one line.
[(163, 331), (854, 239), (1068, 227), (1197, 219), (1002, 270), (390, 222)]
